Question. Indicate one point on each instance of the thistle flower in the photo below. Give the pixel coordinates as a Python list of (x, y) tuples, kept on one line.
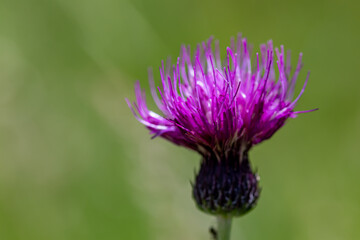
[(222, 109)]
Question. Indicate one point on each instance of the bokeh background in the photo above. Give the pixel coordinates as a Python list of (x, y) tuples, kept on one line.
[(75, 164)]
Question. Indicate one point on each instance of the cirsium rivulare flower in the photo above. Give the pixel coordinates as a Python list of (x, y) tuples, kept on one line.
[(219, 109)]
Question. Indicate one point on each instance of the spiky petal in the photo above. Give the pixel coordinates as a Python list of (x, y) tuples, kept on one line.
[(221, 109)]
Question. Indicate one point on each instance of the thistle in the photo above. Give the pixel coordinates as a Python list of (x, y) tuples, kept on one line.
[(222, 109)]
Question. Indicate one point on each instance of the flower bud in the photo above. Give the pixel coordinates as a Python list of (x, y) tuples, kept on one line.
[(228, 187)]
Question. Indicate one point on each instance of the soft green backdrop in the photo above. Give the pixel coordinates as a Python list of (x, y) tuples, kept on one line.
[(74, 163)]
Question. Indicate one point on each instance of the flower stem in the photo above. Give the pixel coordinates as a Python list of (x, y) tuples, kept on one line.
[(224, 227)]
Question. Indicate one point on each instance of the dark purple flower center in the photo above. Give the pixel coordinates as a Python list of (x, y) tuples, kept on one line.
[(227, 187)]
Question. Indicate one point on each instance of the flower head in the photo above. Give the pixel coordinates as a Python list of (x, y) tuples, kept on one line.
[(221, 109)]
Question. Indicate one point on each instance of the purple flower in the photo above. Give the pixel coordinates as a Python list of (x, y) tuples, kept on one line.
[(221, 109)]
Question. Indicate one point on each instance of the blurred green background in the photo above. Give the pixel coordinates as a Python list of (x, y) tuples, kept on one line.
[(75, 164)]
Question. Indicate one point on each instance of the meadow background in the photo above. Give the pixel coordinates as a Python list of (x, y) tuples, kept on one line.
[(75, 164)]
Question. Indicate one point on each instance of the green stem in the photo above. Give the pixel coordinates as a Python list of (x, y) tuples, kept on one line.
[(224, 227)]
